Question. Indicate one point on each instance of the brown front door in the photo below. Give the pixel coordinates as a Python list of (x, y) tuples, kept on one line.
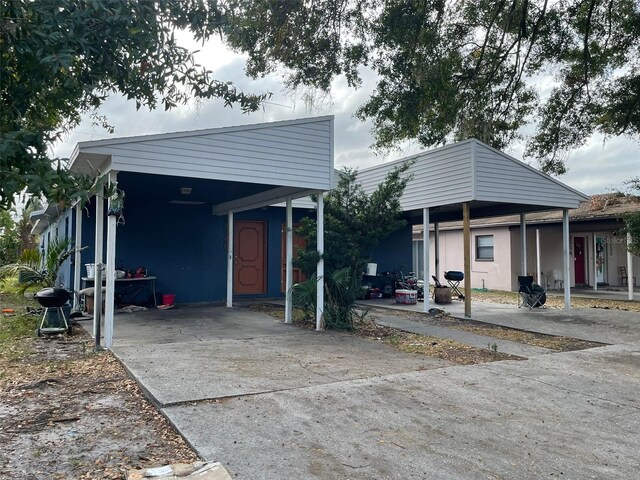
[(578, 258), (249, 250), (298, 243)]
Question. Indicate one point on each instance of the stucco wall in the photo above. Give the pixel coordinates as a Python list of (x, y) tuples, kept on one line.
[(502, 273)]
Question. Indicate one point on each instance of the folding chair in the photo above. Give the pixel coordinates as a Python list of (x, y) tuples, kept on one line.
[(532, 295), (454, 278)]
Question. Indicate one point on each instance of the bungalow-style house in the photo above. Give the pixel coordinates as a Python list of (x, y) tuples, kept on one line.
[(203, 209), (597, 248)]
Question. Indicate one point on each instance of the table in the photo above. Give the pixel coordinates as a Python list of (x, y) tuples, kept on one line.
[(150, 279)]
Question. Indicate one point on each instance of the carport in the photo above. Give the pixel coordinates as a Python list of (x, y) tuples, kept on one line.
[(468, 180), (196, 180)]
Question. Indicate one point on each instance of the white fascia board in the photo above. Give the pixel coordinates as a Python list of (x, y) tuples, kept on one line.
[(262, 199)]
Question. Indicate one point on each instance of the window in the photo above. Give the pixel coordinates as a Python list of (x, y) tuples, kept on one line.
[(484, 247)]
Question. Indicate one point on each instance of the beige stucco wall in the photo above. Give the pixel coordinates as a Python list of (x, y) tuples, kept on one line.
[(493, 275), (502, 273)]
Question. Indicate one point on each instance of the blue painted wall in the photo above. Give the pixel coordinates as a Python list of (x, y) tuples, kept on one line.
[(395, 251), (60, 229), (184, 245)]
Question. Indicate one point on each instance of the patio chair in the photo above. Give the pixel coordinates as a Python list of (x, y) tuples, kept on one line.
[(624, 278), (532, 295), (557, 279)]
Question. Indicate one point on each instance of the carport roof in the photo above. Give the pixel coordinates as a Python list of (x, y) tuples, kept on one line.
[(275, 160), (492, 182)]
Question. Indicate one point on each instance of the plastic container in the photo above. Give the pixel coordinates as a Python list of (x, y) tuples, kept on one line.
[(168, 298), (91, 270), (372, 269), (407, 297)]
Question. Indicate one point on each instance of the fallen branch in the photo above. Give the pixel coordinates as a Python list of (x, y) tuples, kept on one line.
[(65, 419)]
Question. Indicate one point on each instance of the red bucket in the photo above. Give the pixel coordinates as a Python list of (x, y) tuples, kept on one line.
[(169, 299)]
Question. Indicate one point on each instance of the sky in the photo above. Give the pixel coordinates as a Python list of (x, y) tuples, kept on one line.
[(598, 167)]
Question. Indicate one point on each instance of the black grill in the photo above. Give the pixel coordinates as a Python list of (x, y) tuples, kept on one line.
[(53, 297)]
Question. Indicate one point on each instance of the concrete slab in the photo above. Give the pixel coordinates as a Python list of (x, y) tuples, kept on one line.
[(570, 415), (194, 323), (263, 356), (475, 340), (593, 324)]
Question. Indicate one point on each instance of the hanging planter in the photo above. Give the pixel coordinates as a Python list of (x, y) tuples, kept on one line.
[(116, 203)]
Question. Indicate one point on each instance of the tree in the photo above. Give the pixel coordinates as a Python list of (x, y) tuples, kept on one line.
[(15, 231), (60, 59), (449, 70), (9, 239), (355, 223)]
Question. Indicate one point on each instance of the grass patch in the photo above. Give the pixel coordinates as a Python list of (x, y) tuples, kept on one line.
[(556, 300), (451, 350), (18, 325)]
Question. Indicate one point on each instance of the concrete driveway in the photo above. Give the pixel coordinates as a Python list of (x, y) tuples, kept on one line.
[(272, 401)]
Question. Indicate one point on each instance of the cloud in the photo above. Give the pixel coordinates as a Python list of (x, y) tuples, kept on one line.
[(593, 168)]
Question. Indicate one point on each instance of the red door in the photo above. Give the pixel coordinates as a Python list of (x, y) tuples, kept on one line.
[(298, 243), (249, 248), (578, 259)]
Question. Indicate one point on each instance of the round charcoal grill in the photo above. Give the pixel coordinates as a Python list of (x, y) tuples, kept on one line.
[(54, 299), (454, 278)]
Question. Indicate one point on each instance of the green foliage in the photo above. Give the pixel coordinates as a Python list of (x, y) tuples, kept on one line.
[(9, 238), (15, 235), (459, 69), (355, 223), (34, 270), (341, 292), (60, 59), (304, 296)]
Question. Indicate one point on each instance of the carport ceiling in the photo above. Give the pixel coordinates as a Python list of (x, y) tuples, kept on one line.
[(478, 209), (162, 189)]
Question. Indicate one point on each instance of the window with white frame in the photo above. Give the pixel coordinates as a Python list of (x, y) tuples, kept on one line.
[(484, 247)]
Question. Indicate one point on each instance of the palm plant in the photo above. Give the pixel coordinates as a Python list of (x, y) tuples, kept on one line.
[(36, 270), (341, 292)]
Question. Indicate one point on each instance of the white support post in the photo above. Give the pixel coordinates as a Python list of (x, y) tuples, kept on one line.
[(77, 256), (111, 270), (288, 311), (425, 257), (98, 247), (595, 262), (230, 259), (538, 265), (629, 268), (523, 245), (320, 269), (566, 260), (436, 242)]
